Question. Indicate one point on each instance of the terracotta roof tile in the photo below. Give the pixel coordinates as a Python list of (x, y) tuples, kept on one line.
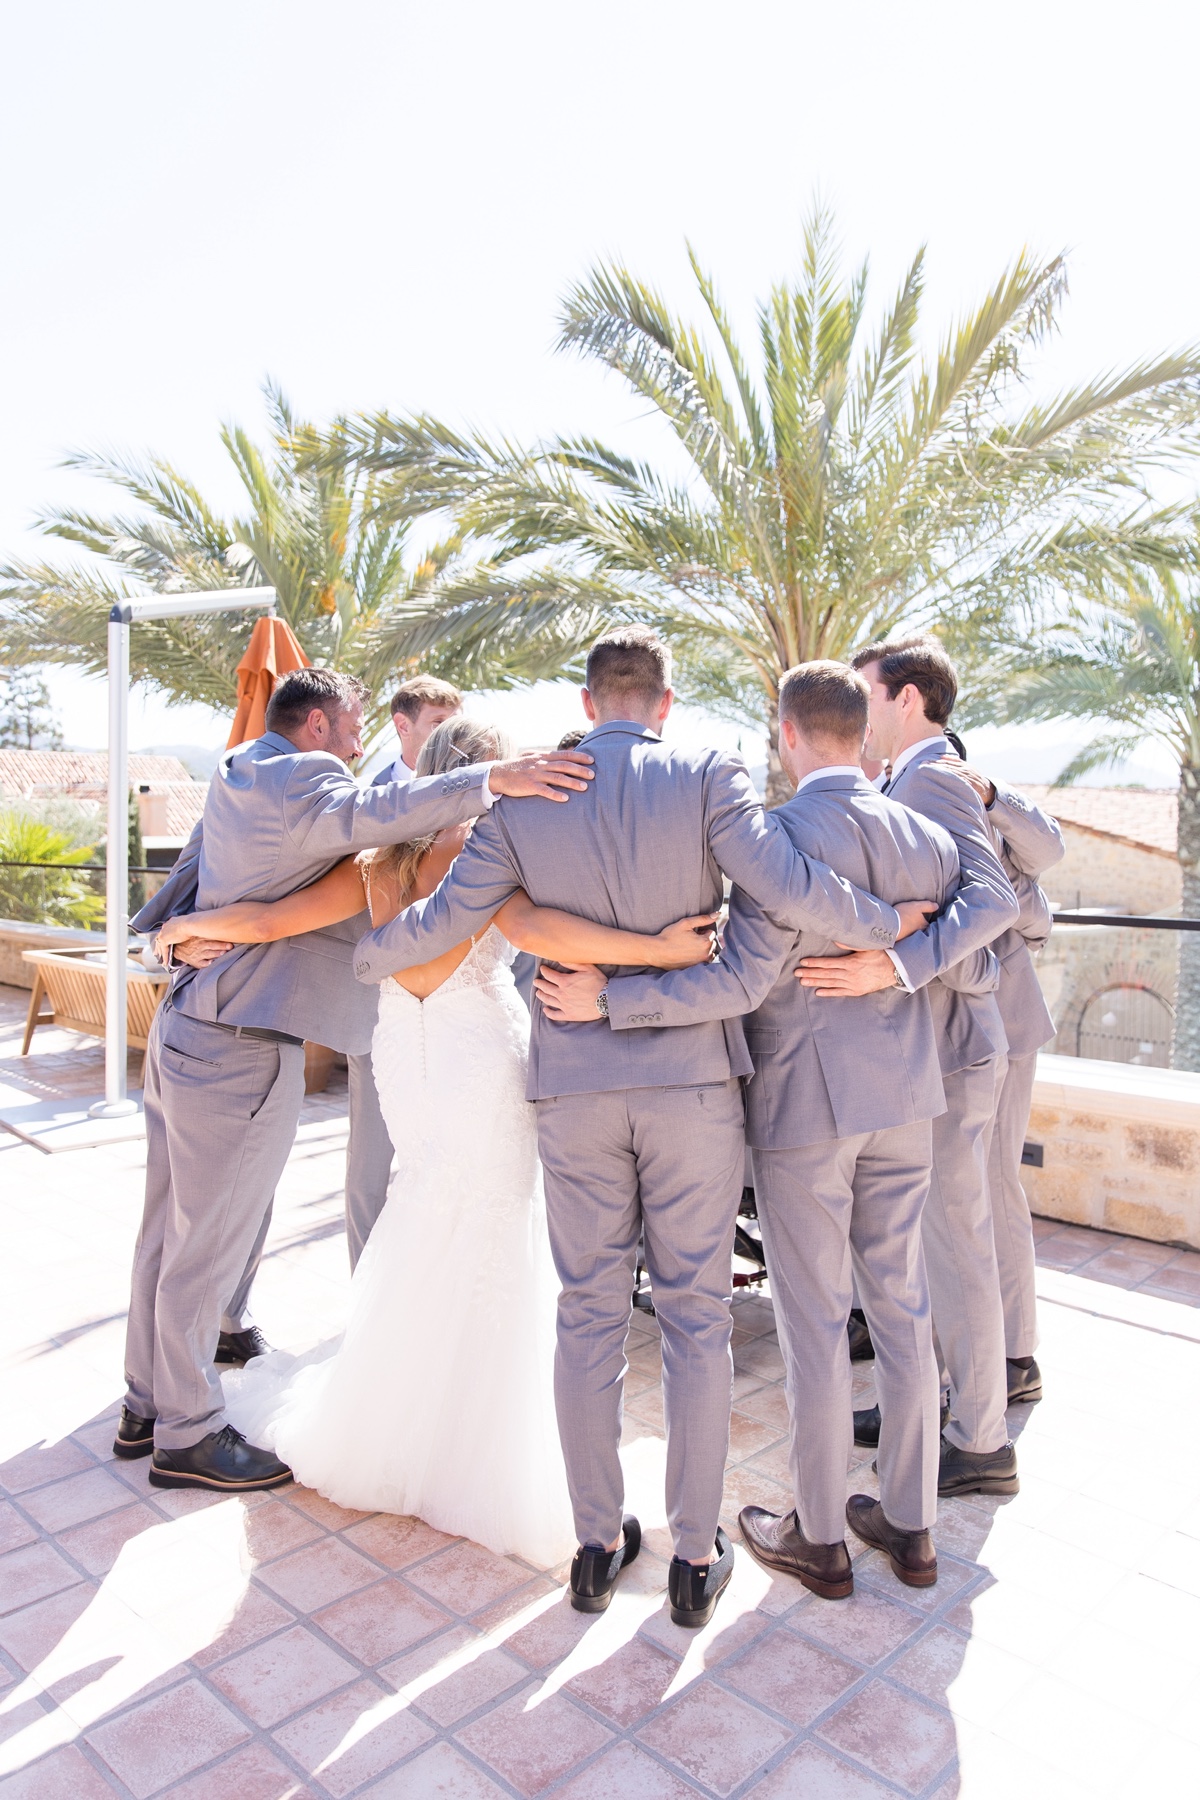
[(1148, 817)]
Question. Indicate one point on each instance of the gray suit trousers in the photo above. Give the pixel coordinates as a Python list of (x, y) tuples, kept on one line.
[(960, 1255), (853, 1205), (368, 1157), (669, 1162), (1011, 1222), (221, 1114)]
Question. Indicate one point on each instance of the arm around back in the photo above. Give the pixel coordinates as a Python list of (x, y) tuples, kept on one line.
[(327, 814), (753, 953), (1033, 839), (481, 879), (799, 894), (984, 904)]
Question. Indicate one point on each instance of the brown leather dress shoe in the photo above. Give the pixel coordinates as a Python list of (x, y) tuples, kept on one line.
[(910, 1553), (779, 1543)]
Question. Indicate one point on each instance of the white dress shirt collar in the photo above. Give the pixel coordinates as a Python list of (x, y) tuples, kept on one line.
[(833, 769), (906, 756)]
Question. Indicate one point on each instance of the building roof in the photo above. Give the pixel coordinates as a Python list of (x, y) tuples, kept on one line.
[(1147, 818), (29, 774)]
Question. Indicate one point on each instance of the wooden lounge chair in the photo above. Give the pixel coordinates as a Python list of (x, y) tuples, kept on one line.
[(74, 988)]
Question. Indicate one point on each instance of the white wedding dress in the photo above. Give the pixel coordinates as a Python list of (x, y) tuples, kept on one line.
[(438, 1400)]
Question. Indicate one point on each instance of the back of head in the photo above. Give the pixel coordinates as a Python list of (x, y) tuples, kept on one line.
[(454, 744), (421, 691), (919, 662), (571, 739), (628, 672), (827, 702), (307, 690)]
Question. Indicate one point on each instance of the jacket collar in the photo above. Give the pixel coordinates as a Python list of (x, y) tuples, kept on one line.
[(836, 780), (622, 728), (936, 744)]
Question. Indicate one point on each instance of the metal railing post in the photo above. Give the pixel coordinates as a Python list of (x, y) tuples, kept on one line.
[(116, 1103)]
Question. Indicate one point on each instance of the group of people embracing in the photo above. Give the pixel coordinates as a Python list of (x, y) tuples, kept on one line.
[(865, 1022)]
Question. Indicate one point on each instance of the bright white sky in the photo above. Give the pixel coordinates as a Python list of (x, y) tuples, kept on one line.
[(380, 203)]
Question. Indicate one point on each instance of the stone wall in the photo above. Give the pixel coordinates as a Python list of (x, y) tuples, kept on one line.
[(1102, 871), (1082, 960), (1120, 1146)]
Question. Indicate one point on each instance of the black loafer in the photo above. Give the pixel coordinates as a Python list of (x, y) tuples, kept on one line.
[(977, 1471), (861, 1347), (910, 1553), (594, 1569), (1024, 1384), (695, 1591), (222, 1460), (239, 1347), (135, 1437), (866, 1425)]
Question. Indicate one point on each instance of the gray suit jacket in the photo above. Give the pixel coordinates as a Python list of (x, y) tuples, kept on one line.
[(1029, 842), (824, 1068), (969, 1025), (647, 845), (275, 820)]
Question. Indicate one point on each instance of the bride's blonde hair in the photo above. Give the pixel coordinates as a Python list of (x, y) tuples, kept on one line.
[(454, 744)]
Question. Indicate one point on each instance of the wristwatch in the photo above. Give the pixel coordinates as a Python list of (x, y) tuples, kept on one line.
[(602, 1003)]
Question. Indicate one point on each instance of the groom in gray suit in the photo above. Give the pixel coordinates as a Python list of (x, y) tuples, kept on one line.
[(639, 1131), (225, 1080), (838, 1120)]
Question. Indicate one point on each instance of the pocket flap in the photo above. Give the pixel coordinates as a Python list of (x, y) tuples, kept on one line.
[(761, 1040)]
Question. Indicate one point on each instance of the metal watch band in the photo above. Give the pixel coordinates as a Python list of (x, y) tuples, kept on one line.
[(602, 1003)]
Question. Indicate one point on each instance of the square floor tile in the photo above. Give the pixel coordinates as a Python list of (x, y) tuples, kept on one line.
[(823, 1775), (32, 1573), (273, 1529), (533, 1745), (14, 1530), (249, 1774), (98, 1543), (257, 1617), (791, 1676), (79, 1497), (466, 1577), (32, 1633), (439, 1773), (318, 1574), (381, 1621), (627, 1685), (868, 1626), (314, 1739), (66, 1775), (459, 1692), (281, 1676), (325, 1512), (629, 1773), (48, 1462), (714, 1737), (553, 1634), (166, 1738), (396, 1542), (901, 1739)]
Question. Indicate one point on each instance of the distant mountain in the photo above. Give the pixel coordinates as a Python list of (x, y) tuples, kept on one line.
[(198, 759)]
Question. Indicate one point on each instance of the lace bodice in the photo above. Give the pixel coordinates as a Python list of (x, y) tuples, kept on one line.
[(487, 964)]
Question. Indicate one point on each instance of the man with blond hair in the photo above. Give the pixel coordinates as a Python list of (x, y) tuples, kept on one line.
[(418, 706)]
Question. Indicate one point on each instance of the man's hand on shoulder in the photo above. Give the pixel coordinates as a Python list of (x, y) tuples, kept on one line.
[(973, 777), (541, 774), (568, 993)]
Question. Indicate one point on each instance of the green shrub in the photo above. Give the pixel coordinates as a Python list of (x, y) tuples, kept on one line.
[(52, 896)]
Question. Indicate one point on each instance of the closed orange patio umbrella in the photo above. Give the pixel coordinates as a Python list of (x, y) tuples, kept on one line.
[(273, 650)]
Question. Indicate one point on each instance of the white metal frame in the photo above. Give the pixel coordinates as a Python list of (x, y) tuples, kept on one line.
[(116, 1103)]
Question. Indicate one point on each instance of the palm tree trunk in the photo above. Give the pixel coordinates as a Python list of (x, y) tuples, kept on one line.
[(1186, 1051), (779, 788)]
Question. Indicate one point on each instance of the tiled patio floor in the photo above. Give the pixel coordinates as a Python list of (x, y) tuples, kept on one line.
[(279, 1647)]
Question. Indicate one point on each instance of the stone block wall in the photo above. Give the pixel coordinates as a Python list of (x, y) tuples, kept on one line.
[(1101, 871), (1120, 1146)]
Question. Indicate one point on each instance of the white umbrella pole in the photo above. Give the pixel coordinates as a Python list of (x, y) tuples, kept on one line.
[(116, 1103)]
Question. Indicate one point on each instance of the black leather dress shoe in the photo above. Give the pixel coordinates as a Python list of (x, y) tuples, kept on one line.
[(222, 1460), (1024, 1384), (135, 1437), (910, 1553), (977, 1471), (694, 1590), (861, 1347), (239, 1347), (594, 1569), (780, 1544)]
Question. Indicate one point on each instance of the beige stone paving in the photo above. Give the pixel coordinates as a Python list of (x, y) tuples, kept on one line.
[(276, 1647)]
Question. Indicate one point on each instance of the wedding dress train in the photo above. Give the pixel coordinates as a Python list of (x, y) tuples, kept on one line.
[(438, 1400)]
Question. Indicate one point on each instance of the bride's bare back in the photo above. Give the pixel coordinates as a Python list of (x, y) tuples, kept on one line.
[(385, 902)]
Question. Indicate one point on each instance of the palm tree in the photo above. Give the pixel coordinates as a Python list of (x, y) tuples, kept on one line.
[(313, 531), (1127, 661), (853, 484)]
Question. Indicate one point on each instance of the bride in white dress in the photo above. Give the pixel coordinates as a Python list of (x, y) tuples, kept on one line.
[(438, 1399)]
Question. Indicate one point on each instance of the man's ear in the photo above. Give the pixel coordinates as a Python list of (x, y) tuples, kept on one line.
[(589, 705), (668, 700), (787, 731)]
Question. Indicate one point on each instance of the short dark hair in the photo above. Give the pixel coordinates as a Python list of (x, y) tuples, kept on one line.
[(919, 661), (423, 690), (576, 735), (299, 692), (630, 663), (826, 700)]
